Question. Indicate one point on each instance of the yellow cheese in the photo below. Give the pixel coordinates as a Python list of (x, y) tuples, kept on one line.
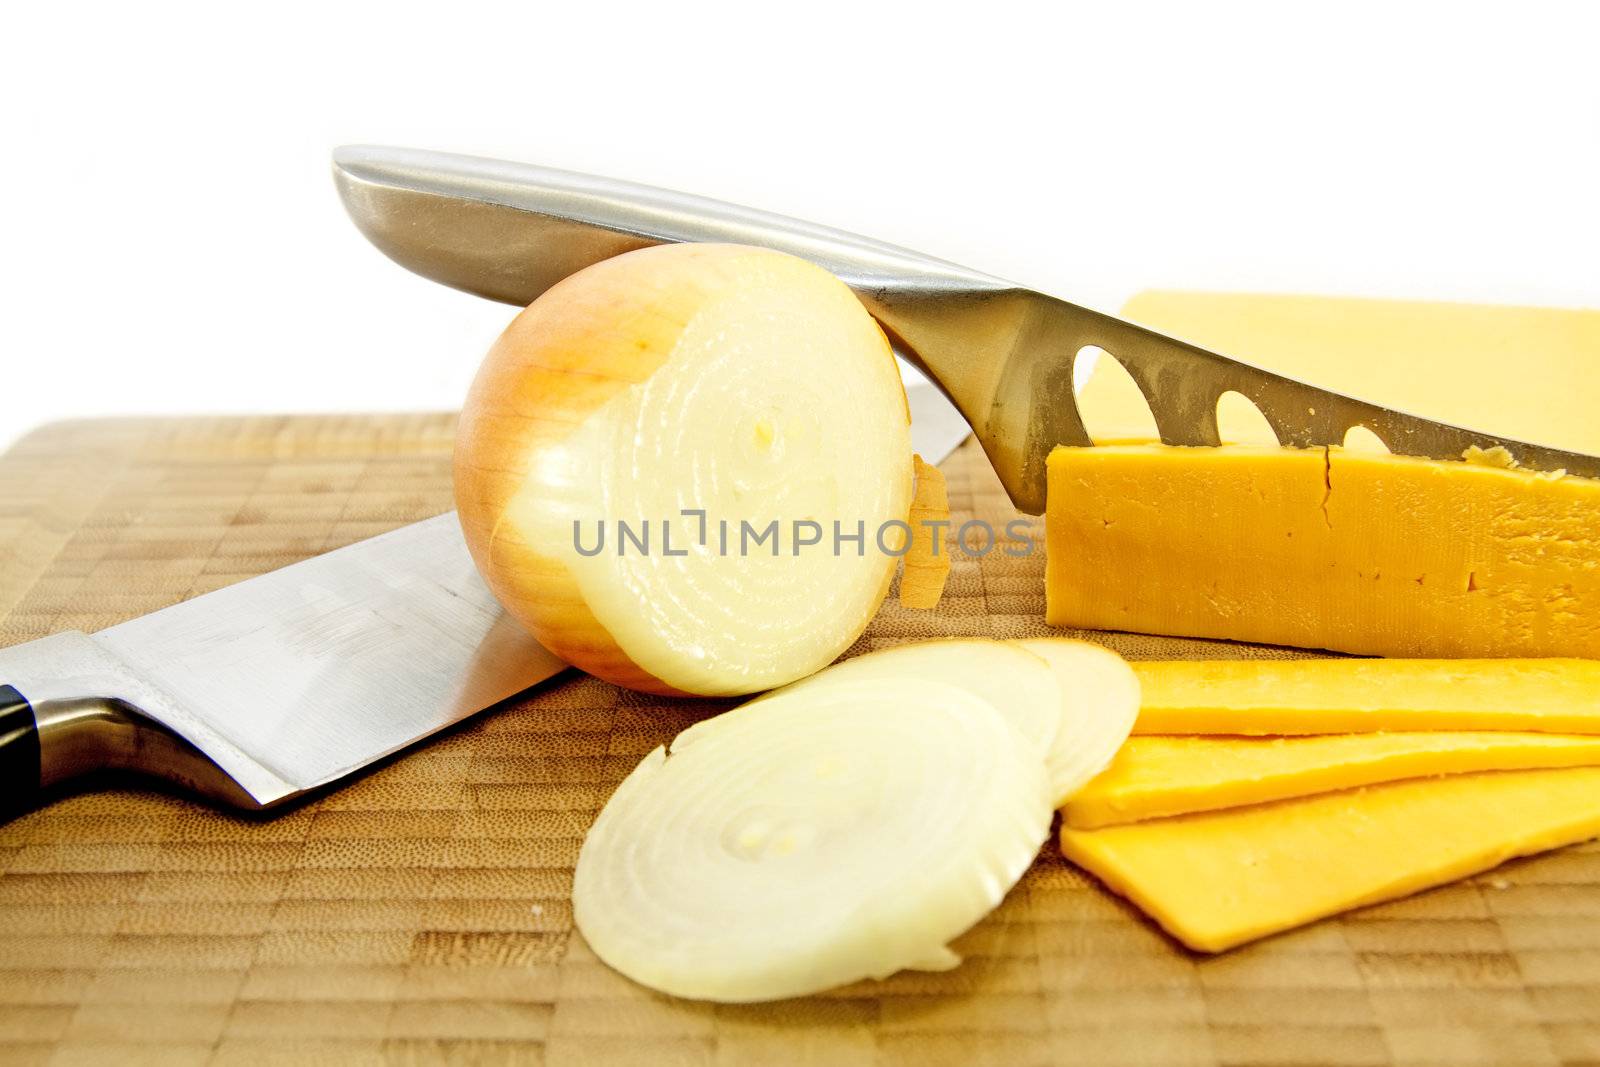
[(1323, 548), (1513, 371), (1220, 879), (1331, 696), (1154, 777)]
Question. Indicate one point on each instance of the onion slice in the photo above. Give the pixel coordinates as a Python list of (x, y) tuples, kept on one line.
[(810, 839), (1099, 703)]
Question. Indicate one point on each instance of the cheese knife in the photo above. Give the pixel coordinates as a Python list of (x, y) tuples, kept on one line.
[(1004, 354)]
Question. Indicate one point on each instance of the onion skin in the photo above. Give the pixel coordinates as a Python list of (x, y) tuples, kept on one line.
[(926, 571), (588, 338)]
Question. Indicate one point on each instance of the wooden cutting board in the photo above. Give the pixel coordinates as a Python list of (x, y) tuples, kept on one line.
[(420, 914)]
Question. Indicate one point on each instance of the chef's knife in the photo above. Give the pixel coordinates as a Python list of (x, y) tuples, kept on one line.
[(262, 691), (1004, 354)]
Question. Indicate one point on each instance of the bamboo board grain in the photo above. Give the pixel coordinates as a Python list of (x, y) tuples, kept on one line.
[(420, 914)]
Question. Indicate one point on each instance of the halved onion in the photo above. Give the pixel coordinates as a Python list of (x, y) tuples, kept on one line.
[(817, 837), (1019, 684), (678, 389), (1099, 703)]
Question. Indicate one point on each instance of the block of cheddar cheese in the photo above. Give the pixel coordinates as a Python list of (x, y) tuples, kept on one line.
[(1220, 879), (1155, 777), (1323, 548)]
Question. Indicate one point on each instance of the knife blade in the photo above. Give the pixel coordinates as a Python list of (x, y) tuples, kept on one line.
[(1006, 355), (267, 689)]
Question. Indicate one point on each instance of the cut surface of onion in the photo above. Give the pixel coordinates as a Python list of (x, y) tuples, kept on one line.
[(811, 839), (723, 403), (1099, 703), (1022, 687)]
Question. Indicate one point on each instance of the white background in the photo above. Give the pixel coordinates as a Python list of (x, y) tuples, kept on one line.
[(172, 243)]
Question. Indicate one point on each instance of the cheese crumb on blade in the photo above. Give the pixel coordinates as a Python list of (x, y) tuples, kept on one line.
[(1218, 880), (1155, 777), (1333, 696), (1323, 548)]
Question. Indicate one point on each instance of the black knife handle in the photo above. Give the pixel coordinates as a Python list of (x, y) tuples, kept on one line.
[(19, 753)]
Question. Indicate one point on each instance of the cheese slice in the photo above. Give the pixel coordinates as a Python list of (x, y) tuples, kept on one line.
[(1323, 548), (1154, 777), (1523, 372), (1220, 879), (1332, 696)]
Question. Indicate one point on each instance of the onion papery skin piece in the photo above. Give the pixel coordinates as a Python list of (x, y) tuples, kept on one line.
[(741, 381), (810, 840)]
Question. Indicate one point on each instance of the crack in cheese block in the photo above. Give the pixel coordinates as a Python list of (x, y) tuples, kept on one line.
[(1155, 777), (1221, 879), (1335, 696), (1522, 372), (1323, 548)]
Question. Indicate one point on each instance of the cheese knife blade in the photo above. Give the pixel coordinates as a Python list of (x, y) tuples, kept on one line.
[(1006, 355)]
